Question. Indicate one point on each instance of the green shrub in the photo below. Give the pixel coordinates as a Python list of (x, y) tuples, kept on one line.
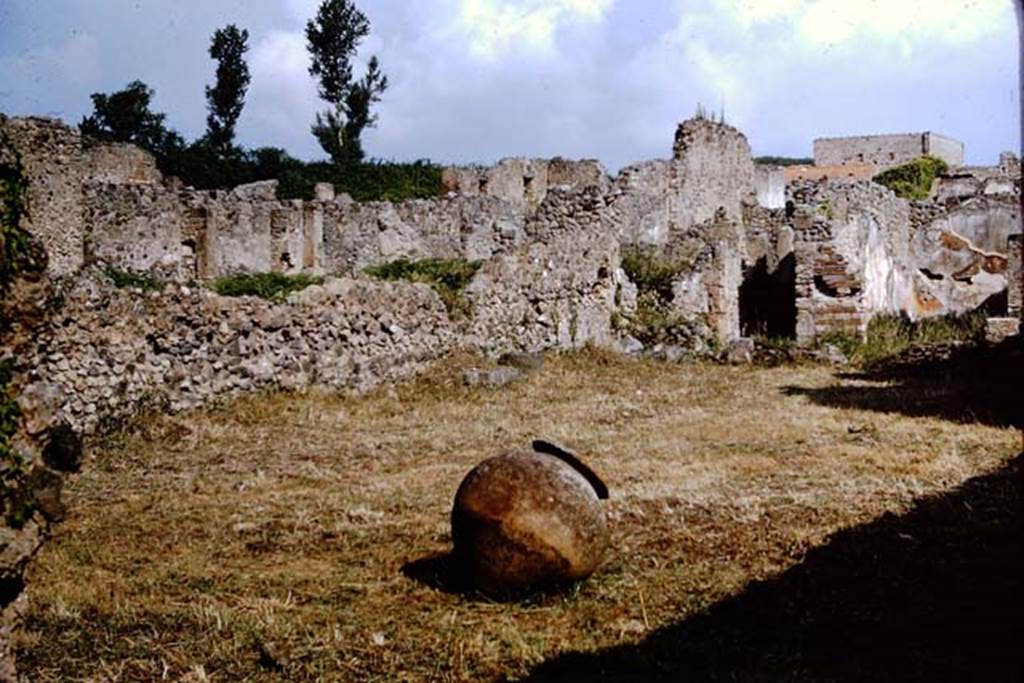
[(125, 280), (448, 277), (270, 286), (784, 161), (652, 272), (654, 322), (913, 180), (206, 168)]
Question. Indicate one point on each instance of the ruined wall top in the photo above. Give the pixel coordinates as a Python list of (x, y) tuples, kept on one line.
[(701, 133), (523, 182)]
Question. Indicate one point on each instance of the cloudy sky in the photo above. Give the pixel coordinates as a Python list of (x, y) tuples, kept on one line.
[(476, 80)]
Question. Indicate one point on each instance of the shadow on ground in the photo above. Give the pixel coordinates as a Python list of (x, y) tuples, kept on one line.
[(934, 594), (440, 572), (970, 384)]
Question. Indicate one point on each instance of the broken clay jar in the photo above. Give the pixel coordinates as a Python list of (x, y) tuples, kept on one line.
[(529, 521)]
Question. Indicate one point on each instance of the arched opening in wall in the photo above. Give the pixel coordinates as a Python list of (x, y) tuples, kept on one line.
[(768, 299), (481, 186)]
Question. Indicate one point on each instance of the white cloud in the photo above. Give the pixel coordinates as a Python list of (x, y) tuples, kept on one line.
[(493, 28), (822, 23), (282, 94)]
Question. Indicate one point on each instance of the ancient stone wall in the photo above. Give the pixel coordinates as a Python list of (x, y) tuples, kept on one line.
[(55, 166), (188, 234), (1015, 277), (558, 291), (714, 170), (523, 183), (863, 251), (711, 171), (119, 163), (1009, 164), (472, 227), (851, 248), (644, 202), (959, 253), (848, 171), (116, 350), (131, 219)]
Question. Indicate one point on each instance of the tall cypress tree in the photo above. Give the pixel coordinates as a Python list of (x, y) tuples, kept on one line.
[(226, 99), (333, 37)]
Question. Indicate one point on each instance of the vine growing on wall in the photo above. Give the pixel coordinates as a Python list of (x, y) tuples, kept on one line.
[(913, 180), (13, 187), (17, 507), (14, 249)]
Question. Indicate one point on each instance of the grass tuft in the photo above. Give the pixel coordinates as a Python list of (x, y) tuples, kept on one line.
[(144, 281), (890, 335), (269, 286), (448, 277)]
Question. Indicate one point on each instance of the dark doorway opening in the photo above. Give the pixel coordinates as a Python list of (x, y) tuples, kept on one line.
[(768, 299)]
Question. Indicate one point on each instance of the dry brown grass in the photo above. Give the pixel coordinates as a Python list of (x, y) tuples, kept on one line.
[(264, 540)]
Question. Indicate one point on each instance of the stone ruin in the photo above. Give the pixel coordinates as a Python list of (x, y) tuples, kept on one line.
[(802, 259)]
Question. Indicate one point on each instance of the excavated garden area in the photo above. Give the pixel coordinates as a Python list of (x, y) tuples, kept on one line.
[(801, 521)]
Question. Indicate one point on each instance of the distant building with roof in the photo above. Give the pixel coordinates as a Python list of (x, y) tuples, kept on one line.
[(886, 151)]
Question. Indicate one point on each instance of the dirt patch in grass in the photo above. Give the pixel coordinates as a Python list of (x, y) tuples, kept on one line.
[(265, 540)]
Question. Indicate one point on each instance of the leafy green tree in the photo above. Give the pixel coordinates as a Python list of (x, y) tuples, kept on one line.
[(124, 116), (226, 99), (333, 37)]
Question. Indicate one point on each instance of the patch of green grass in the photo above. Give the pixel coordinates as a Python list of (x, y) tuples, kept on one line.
[(448, 277), (269, 286), (890, 335), (913, 180), (144, 281), (775, 343)]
